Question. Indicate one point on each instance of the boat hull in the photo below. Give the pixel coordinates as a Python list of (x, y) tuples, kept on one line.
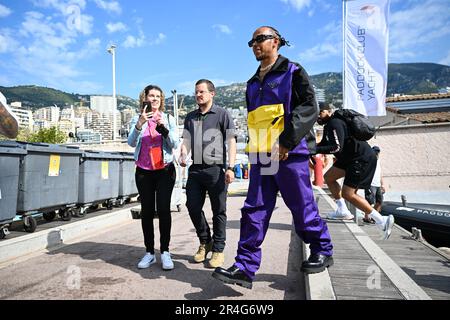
[(432, 220)]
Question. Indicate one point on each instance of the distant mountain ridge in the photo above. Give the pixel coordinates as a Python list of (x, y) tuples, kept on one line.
[(403, 78), (38, 97)]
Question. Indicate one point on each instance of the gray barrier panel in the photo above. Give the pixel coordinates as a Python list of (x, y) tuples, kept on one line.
[(48, 177), (99, 177), (10, 156), (127, 181)]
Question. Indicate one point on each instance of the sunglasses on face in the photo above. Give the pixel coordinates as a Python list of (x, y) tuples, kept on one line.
[(260, 38)]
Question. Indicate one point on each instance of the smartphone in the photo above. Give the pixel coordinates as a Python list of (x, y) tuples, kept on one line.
[(148, 105)]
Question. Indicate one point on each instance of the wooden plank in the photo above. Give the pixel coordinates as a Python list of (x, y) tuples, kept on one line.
[(351, 261), (401, 250), (415, 257), (423, 267), (362, 298), (385, 284), (342, 292)]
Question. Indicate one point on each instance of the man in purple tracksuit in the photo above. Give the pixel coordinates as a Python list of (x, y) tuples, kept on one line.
[(282, 111)]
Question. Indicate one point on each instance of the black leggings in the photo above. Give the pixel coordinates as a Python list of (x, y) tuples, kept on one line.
[(156, 186)]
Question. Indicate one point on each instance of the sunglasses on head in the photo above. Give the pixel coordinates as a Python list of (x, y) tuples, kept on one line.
[(260, 38)]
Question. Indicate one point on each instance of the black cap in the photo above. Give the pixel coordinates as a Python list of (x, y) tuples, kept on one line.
[(376, 149), (324, 106)]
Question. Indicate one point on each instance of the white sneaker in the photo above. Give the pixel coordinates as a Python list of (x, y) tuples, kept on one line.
[(166, 260), (147, 261), (340, 214), (387, 226)]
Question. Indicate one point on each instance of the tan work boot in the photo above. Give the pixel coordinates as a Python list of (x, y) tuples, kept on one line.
[(217, 259), (203, 251)]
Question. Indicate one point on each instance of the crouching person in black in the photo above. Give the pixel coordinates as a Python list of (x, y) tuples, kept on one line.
[(355, 162)]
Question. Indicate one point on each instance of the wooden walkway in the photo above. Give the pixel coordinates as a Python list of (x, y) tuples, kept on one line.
[(366, 267)]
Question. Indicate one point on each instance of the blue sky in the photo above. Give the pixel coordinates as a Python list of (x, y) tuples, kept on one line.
[(172, 43)]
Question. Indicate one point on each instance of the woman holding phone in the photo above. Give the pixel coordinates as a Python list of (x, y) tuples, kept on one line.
[(154, 136)]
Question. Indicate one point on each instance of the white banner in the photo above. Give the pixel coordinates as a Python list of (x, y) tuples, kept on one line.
[(366, 37)]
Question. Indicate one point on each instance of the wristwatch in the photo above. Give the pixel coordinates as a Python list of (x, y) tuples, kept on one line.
[(230, 168)]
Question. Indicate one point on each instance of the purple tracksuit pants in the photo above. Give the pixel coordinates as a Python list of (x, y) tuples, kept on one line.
[(293, 181)]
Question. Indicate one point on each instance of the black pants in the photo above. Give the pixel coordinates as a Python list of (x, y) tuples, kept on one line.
[(373, 195), (211, 180), (156, 186)]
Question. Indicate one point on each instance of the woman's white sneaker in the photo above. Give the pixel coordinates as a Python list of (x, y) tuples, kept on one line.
[(166, 260), (147, 261)]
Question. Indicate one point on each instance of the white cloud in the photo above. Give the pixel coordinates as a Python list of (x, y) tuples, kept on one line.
[(420, 24), (42, 29), (110, 6), (221, 82), (330, 44), (326, 5), (140, 41), (60, 5), (161, 37), (222, 28), (116, 27), (186, 87), (298, 4), (320, 52), (85, 87), (5, 80), (86, 24), (91, 47), (43, 49), (134, 42), (332, 29), (71, 10), (446, 60), (4, 11), (7, 41)]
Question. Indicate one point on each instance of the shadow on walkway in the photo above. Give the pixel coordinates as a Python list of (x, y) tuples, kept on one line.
[(126, 257)]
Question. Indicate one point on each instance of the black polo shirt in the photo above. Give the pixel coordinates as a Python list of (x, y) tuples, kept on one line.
[(208, 133)]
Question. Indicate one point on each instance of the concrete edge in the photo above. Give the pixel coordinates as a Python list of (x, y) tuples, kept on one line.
[(409, 289), (318, 286), (21, 247)]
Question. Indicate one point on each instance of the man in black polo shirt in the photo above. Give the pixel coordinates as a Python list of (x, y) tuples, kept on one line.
[(205, 132)]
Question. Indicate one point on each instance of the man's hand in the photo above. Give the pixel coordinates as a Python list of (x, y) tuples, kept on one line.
[(160, 121), (283, 152), (182, 160), (229, 176), (274, 153), (278, 152)]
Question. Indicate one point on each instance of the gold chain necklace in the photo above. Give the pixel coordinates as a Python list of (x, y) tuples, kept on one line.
[(266, 68)]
